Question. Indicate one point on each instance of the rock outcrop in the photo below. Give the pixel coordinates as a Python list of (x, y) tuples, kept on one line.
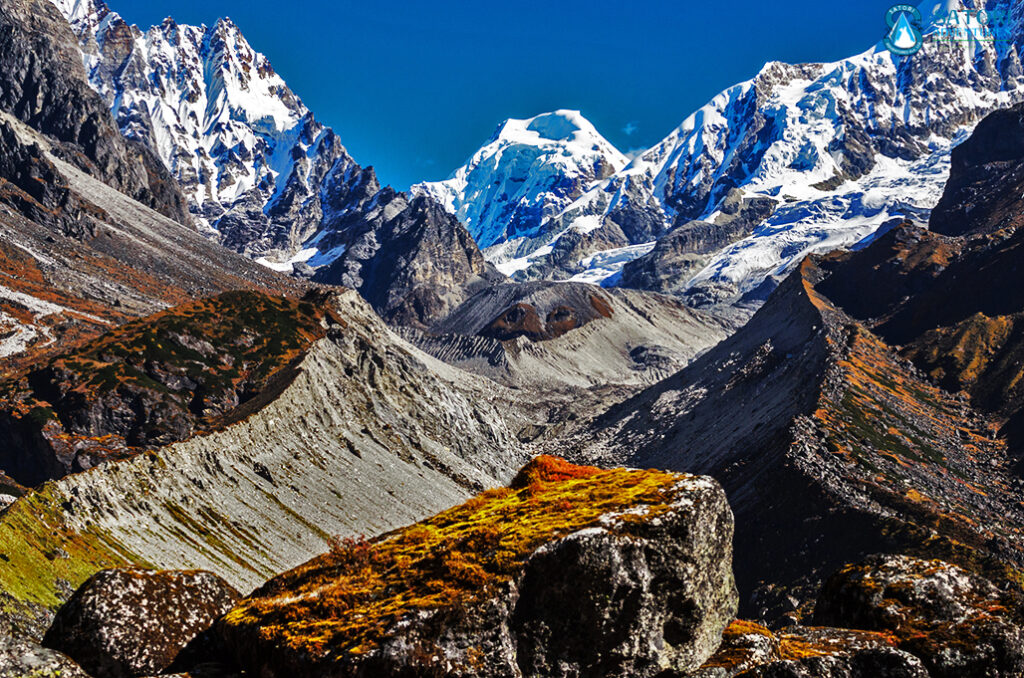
[(128, 623), (571, 571), (750, 650), (986, 178), (959, 624)]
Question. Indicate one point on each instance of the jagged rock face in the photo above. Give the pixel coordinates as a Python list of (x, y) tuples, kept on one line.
[(986, 179), (846, 146), (21, 658), (253, 162), (45, 86), (571, 571), (37, 191), (959, 624), (410, 259), (124, 623), (154, 382)]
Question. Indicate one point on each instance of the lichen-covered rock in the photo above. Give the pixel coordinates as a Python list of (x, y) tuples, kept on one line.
[(959, 624), (751, 650), (573, 571), (20, 658), (125, 622), (886, 662)]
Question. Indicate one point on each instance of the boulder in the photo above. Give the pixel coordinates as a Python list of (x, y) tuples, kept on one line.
[(752, 651), (573, 571), (959, 624), (874, 663), (124, 623), (21, 658)]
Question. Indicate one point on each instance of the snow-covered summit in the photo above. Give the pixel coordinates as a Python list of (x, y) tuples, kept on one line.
[(839, 149), (527, 172), (261, 174)]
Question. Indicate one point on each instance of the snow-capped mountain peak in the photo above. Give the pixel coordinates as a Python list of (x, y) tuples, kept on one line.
[(527, 172), (261, 174), (832, 151)]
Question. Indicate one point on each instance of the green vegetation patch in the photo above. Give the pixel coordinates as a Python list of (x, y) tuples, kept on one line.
[(41, 556)]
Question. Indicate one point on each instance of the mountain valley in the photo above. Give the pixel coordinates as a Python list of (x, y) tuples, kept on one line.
[(262, 416)]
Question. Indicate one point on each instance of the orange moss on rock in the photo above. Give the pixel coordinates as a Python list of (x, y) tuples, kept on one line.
[(546, 469), (347, 600)]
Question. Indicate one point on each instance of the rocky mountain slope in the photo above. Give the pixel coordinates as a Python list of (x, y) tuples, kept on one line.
[(366, 433), (809, 418), (253, 162), (262, 175), (839, 149), (153, 382)]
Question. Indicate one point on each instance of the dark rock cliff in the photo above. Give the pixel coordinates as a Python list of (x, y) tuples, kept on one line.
[(43, 84)]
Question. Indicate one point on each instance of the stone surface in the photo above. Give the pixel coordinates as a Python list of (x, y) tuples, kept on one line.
[(580, 572), (20, 658), (873, 663), (127, 622), (959, 624), (751, 650)]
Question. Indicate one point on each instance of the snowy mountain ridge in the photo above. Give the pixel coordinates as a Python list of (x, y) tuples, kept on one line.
[(839, 149), (262, 175)]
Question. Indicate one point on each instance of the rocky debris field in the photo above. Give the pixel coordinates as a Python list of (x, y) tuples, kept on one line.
[(569, 571)]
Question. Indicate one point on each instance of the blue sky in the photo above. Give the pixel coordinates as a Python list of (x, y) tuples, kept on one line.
[(413, 87)]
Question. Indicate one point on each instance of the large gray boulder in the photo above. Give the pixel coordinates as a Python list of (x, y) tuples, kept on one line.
[(124, 623)]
